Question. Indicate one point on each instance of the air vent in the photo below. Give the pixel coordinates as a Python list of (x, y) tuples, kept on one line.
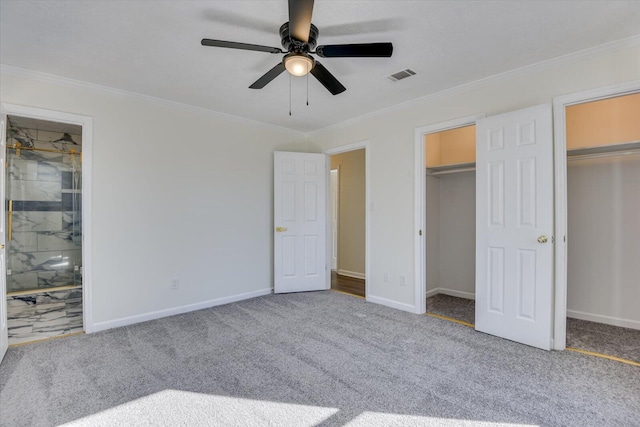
[(401, 75)]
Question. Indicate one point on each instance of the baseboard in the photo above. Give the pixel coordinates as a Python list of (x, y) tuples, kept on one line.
[(608, 320), (390, 303), (452, 293), (353, 274), (124, 321)]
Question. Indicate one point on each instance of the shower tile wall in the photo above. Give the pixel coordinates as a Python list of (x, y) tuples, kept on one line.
[(46, 242)]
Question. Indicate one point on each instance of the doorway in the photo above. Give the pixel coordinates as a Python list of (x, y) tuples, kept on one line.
[(600, 143), (48, 164), (450, 232), (348, 219)]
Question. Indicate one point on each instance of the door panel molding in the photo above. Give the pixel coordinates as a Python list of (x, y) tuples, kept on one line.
[(514, 205)]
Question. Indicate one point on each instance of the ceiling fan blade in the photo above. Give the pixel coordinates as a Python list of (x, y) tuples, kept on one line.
[(270, 75), (244, 46), (363, 50), (300, 12), (326, 78)]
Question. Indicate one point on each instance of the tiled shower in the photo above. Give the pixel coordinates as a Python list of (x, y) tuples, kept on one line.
[(44, 229)]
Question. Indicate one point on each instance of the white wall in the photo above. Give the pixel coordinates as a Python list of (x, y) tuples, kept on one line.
[(603, 246), (176, 193), (391, 138)]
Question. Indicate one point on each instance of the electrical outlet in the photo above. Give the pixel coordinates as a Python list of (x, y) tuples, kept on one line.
[(386, 277), (175, 283), (403, 280)]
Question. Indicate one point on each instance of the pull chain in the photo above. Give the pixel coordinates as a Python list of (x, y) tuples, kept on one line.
[(289, 94), (307, 84)]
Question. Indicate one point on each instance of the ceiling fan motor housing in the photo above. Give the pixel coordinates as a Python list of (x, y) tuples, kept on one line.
[(292, 45)]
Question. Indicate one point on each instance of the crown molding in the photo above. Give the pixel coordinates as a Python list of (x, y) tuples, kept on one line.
[(611, 47), (107, 90)]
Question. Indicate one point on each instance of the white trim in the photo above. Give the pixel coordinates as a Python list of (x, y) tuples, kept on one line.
[(608, 320), (353, 274), (130, 320), (452, 293), (107, 90), (87, 178), (584, 54), (560, 171), (390, 303), (367, 200), (420, 207)]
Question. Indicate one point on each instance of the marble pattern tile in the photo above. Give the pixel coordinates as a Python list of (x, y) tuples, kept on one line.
[(23, 241), (52, 279), (71, 180), (44, 315), (26, 137), (55, 240), (72, 221), (22, 169), (37, 206), (71, 201), (21, 281), (37, 221), (39, 261), (49, 171), (37, 156), (34, 190)]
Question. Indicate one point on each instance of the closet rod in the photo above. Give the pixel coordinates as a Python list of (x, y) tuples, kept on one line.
[(604, 154), (444, 172)]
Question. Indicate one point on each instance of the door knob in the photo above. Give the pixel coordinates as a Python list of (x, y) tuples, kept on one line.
[(543, 239), (280, 229)]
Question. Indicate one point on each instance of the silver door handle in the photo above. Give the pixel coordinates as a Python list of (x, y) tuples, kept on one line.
[(542, 239)]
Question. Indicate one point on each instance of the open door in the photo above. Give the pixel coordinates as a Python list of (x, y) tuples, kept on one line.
[(4, 329), (300, 256), (514, 222)]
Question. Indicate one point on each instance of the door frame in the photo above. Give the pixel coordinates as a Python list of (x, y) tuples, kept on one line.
[(87, 156), (367, 198), (560, 171), (337, 203), (420, 204)]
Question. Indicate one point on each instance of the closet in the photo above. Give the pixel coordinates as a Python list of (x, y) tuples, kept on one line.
[(603, 204), (450, 213)]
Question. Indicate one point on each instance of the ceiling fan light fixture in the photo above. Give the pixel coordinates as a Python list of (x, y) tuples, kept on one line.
[(298, 64)]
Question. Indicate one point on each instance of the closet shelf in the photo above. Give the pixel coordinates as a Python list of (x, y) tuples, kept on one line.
[(604, 150), (453, 168)]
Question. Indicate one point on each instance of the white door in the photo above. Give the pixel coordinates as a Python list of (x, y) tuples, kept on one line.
[(514, 222), (334, 219), (300, 256), (4, 329)]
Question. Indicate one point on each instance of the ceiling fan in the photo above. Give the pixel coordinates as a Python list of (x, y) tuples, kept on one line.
[(299, 37)]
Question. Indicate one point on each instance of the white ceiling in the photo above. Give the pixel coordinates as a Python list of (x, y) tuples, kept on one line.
[(153, 48)]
